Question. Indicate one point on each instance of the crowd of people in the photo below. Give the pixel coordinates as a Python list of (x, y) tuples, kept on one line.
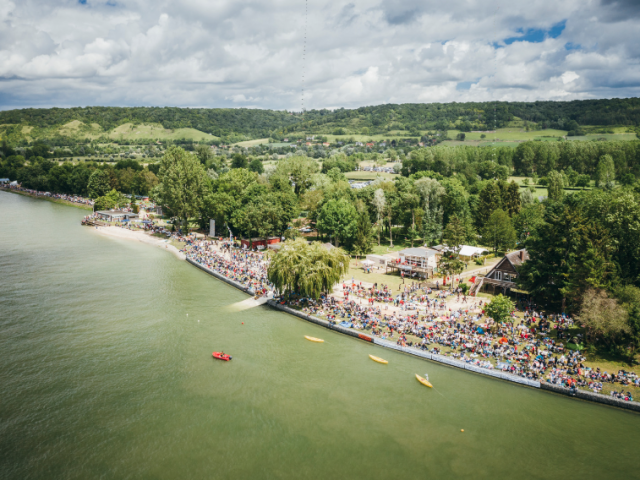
[(444, 322), (58, 196), (245, 267), (522, 346)]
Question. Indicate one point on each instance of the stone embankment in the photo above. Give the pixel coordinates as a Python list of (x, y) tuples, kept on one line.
[(233, 283)]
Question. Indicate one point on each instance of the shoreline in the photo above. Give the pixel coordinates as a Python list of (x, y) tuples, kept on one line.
[(440, 359), (138, 236), (48, 199), (142, 237), (443, 360)]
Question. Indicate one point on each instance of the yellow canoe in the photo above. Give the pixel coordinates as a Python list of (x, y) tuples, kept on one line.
[(314, 339), (424, 381), (378, 359)]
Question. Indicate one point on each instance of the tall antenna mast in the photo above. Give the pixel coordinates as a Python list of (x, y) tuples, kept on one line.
[(304, 54), (495, 101)]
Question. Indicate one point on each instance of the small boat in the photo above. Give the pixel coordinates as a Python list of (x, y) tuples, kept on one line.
[(222, 356), (314, 339), (378, 359), (424, 381)]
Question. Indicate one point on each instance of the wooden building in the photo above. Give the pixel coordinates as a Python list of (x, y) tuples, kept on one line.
[(418, 261), (502, 277)]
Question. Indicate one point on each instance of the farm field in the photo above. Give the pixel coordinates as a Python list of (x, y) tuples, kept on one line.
[(509, 134), (366, 138), (129, 131), (541, 191), (475, 143), (252, 143), (609, 136)]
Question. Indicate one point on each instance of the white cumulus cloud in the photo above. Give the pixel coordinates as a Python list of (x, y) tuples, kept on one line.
[(250, 52)]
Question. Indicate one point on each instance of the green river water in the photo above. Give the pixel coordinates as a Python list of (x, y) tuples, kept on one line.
[(106, 372)]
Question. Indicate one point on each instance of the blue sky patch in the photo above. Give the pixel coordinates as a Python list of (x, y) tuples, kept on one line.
[(82, 2), (537, 35), (464, 85)]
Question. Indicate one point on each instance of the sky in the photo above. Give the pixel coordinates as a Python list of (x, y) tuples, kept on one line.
[(251, 53)]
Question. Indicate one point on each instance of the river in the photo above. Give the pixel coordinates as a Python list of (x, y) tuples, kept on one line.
[(106, 372)]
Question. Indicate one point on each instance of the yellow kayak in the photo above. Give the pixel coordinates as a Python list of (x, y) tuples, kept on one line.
[(424, 381), (314, 339), (378, 359)]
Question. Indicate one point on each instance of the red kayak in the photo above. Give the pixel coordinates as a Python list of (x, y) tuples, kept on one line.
[(222, 356)]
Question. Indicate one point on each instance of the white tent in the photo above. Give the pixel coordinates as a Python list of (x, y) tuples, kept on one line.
[(468, 251)]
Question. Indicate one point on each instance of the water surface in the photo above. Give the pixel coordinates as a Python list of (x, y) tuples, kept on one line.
[(106, 372)]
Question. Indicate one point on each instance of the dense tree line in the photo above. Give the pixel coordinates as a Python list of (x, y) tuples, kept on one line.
[(413, 118), (582, 157), (44, 174), (584, 254)]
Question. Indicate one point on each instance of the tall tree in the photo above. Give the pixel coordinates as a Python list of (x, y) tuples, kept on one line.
[(605, 172), (555, 185), (379, 202), (490, 201), (300, 170), (339, 219), (499, 232), (239, 161), (500, 308), (431, 193), (363, 239), (98, 185), (182, 184), (603, 317), (511, 201), (307, 270), (454, 235)]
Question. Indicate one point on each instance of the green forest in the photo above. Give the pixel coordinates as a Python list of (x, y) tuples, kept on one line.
[(68, 126)]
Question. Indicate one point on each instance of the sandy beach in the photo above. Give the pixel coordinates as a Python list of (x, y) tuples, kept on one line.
[(139, 236)]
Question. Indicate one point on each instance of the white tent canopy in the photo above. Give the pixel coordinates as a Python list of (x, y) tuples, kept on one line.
[(468, 251)]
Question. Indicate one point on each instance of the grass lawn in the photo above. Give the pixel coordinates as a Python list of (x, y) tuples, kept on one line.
[(509, 134), (366, 138), (609, 136), (252, 143), (542, 191), (129, 131)]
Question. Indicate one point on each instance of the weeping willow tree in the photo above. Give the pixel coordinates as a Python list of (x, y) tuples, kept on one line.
[(307, 270)]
